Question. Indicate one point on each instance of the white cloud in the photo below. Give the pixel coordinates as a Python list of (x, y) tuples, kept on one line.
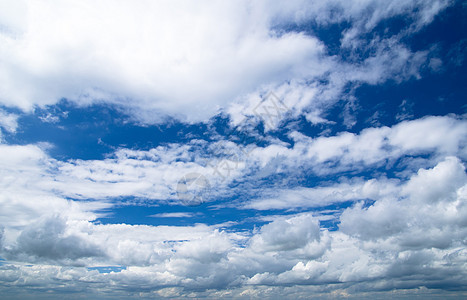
[(391, 60), (174, 215), (323, 196), (377, 247), (399, 235), (188, 60), (165, 56), (47, 239), (375, 147), (428, 211), (286, 234), (8, 121), (438, 184), (289, 250), (154, 175), (445, 134)]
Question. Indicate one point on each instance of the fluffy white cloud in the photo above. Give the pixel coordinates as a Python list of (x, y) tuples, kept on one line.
[(404, 234), (429, 209), (34, 186), (166, 56), (188, 60), (373, 147), (47, 240), (25, 172), (287, 234)]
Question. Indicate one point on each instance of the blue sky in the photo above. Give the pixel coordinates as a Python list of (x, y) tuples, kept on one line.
[(235, 149)]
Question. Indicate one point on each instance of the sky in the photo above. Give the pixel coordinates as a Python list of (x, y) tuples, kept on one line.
[(233, 149)]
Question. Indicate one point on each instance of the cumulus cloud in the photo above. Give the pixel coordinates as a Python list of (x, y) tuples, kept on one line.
[(429, 210), (48, 239), (395, 236), (287, 234), (381, 244)]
